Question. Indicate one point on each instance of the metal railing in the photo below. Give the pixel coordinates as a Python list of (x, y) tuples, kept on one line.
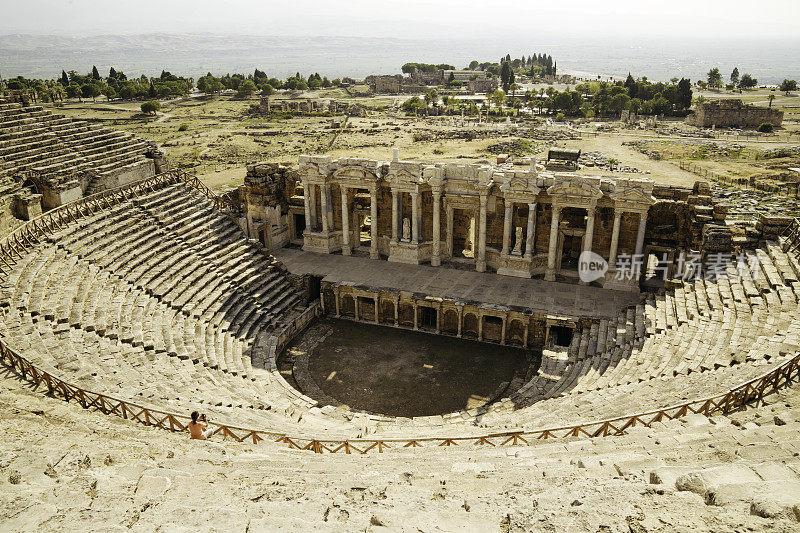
[(29, 234)]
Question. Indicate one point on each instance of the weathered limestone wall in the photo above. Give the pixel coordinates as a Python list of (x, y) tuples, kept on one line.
[(733, 113)]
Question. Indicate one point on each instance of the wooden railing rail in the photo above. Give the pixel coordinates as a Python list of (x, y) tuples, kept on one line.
[(16, 243)]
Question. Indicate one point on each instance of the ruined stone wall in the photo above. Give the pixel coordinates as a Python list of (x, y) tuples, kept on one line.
[(482, 85), (734, 113)]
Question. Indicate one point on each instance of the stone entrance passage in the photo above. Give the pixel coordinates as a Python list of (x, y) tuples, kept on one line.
[(395, 372)]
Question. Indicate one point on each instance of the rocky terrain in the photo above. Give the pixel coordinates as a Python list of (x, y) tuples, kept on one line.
[(63, 467)]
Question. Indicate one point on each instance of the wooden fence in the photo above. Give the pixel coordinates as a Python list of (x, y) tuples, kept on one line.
[(29, 234)]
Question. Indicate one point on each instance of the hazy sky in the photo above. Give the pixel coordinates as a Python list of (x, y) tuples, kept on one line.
[(716, 19)]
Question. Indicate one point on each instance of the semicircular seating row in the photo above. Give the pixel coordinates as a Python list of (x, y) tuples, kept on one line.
[(162, 301), (33, 138), (696, 340)]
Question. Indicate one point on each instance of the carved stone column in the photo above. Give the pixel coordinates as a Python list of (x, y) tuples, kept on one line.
[(507, 226), (450, 232), (530, 238), (415, 222), (612, 254), (640, 233), (416, 319), (376, 308), (373, 224), (587, 238), (323, 196), (336, 300), (436, 259), (346, 250), (550, 273), (395, 216), (480, 263), (355, 303), (307, 206), (312, 204)]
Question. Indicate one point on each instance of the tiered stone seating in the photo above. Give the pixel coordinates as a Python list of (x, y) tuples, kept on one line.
[(736, 473), (162, 301), (701, 337), (32, 138)]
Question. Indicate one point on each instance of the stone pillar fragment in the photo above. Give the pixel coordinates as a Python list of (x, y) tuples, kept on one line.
[(530, 238), (480, 263), (307, 205), (415, 221), (507, 226), (323, 196), (373, 224), (395, 216), (640, 233), (346, 250), (550, 273), (437, 237), (612, 254)]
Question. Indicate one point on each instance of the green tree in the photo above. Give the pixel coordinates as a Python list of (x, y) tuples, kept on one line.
[(735, 76), (684, 94), (506, 76), (246, 89), (413, 105), (771, 97), (498, 98), (90, 90), (788, 86), (431, 97), (619, 103), (748, 82), (110, 93), (64, 79), (150, 107), (267, 89), (714, 78), (95, 73)]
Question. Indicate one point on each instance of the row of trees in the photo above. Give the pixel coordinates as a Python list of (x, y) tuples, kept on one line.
[(409, 68), (117, 85), (745, 81), (595, 99)]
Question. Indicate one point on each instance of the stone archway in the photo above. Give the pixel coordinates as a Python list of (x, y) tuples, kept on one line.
[(347, 305), (470, 327), (386, 312), (450, 321), (405, 314)]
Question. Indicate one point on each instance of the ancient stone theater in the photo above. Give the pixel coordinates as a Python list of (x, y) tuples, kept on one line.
[(354, 305)]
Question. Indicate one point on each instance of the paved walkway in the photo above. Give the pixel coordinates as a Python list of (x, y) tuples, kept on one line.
[(554, 298)]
